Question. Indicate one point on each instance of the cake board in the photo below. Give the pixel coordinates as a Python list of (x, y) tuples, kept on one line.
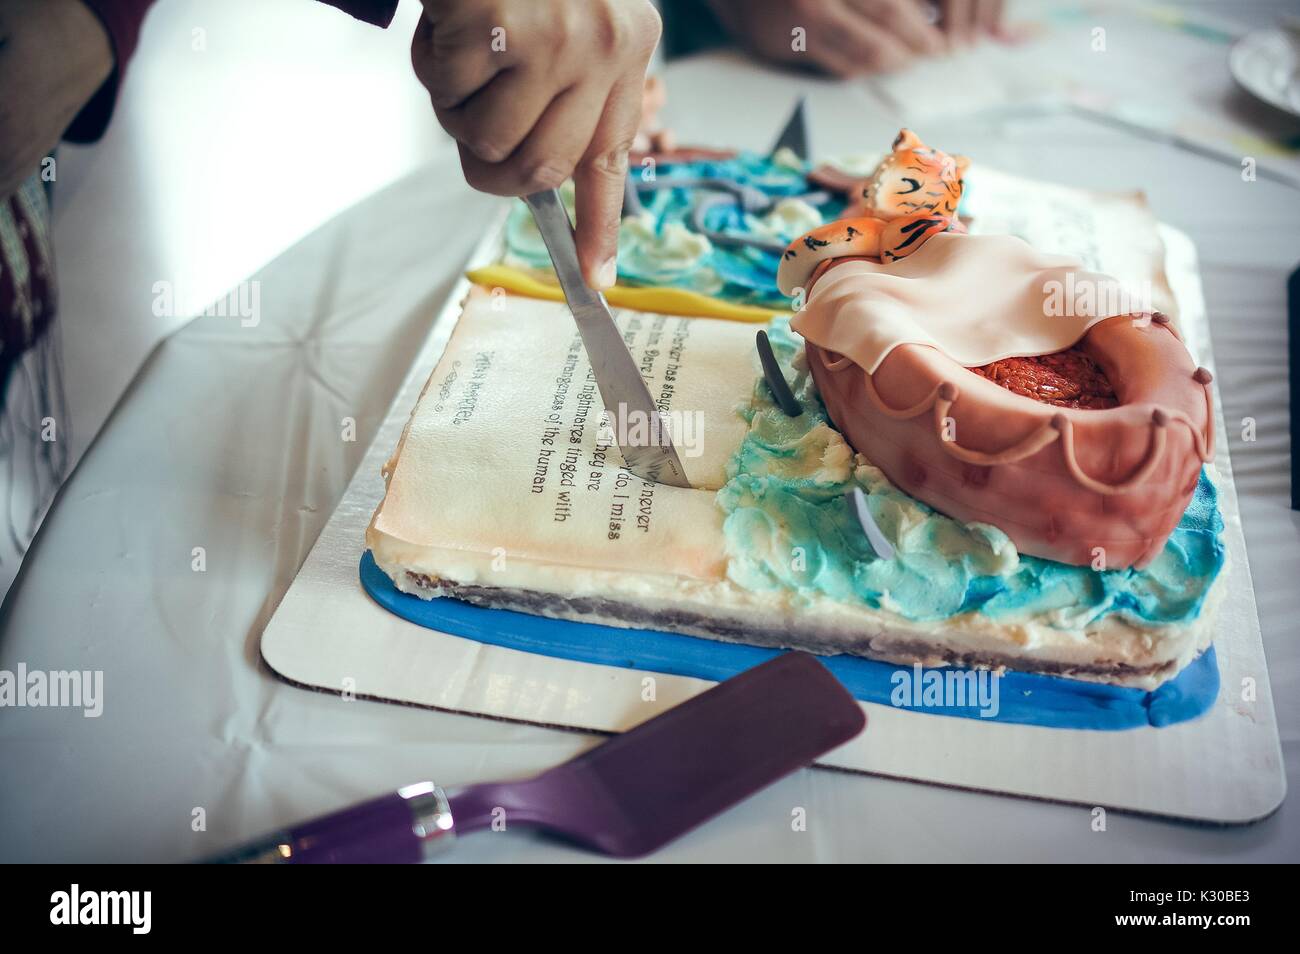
[(1226, 767)]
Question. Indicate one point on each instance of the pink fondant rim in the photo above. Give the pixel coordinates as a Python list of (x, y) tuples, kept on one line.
[(1058, 427)]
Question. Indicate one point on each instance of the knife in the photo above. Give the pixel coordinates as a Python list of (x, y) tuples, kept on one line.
[(626, 797), (622, 389)]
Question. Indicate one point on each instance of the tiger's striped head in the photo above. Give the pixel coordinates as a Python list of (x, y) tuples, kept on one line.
[(913, 179)]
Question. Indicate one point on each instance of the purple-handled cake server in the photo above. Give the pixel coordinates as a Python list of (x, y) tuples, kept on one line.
[(626, 797)]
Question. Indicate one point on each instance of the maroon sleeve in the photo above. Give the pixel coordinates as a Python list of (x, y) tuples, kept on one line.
[(122, 19)]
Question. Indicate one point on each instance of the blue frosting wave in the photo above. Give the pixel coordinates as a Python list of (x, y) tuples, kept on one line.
[(787, 527), (662, 248)]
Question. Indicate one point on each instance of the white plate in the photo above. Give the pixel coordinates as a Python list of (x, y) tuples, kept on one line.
[(1266, 63)]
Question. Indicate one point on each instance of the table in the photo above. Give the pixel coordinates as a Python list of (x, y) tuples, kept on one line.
[(234, 439)]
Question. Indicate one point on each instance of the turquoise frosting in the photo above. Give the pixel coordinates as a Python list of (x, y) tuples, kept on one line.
[(660, 248), (788, 528)]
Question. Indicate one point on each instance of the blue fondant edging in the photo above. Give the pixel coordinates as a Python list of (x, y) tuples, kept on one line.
[(1022, 698)]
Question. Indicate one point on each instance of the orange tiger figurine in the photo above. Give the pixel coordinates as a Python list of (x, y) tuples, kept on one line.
[(912, 195)]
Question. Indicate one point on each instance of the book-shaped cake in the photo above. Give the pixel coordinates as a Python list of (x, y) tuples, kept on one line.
[(504, 492), (963, 477)]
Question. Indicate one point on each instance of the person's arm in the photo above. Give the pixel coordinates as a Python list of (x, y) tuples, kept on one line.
[(54, 55)]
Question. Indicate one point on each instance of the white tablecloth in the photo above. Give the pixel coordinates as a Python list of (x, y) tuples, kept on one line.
[(232, 439)]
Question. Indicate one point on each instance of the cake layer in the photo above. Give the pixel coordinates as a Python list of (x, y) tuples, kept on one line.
[(502, 492), (1106, 656)]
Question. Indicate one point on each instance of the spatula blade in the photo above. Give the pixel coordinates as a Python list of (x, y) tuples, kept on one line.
[(640, 790)]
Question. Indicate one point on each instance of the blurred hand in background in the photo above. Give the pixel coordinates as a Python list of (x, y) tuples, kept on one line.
[(856, 37)]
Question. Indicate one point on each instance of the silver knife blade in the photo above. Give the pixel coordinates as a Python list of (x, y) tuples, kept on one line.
[(622, 389)]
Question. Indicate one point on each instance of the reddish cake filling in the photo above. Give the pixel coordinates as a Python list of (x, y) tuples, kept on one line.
[(1067, 378)]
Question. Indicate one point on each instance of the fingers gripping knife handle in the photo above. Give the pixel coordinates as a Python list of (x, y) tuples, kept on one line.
[(410, 825), (622, 389)]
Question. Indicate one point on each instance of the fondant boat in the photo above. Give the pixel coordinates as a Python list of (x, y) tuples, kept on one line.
[(894, 329), (1082, 486)]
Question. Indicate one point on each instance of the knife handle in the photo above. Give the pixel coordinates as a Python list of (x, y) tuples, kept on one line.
[(404, 827)]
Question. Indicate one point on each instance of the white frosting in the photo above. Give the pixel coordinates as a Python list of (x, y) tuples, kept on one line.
[(788, 217), (976, 298)]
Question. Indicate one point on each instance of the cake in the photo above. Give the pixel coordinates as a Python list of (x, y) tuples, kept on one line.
[(1045, 487)]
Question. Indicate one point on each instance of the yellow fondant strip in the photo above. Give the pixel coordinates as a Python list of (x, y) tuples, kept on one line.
[(667, 301)]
